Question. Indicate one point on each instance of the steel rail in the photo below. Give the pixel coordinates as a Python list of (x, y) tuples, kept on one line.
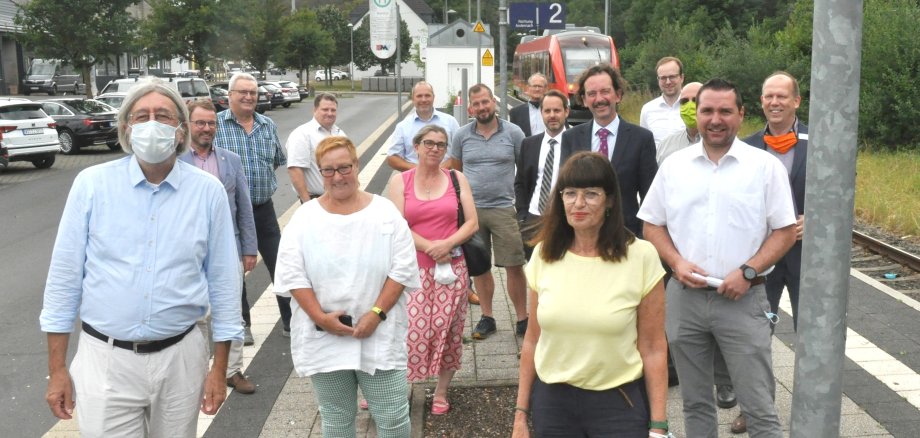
[(877, 246)]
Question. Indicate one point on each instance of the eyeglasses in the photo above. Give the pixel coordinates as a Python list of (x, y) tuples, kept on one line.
[(431, 144), (246, 92), (684, 100), (591, 195), (201, 124), (672, 78), (602, 92), (328, 172), (144, 117)]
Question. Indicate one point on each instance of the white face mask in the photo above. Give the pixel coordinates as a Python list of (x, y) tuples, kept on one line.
[(153, 142)]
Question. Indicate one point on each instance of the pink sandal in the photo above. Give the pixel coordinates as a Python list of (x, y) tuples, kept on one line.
[(439, 407)]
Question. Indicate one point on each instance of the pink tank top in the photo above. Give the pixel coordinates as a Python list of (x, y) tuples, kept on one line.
[(435, 219)]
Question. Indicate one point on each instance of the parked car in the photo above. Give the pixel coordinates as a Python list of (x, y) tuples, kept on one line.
[(265, 101), (189, 88), (113, 99), (83, 122), (290, 94), (277, 97), (220, 97), (301, 90), (28, 133), (336, 75)]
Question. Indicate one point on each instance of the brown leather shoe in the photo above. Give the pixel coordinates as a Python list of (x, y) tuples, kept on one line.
[(238, 382), (739, 425), (472, 297)]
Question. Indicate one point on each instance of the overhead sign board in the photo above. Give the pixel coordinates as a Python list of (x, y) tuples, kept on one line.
[(537, 15), (383, 27)]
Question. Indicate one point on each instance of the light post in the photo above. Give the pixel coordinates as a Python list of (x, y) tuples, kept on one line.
[(351, 73)]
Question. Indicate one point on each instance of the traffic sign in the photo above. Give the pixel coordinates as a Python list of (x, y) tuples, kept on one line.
[(487, 59), (537, 15), (479, 27)]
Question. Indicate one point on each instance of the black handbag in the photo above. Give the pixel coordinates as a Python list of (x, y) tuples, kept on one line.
[(478, 257)]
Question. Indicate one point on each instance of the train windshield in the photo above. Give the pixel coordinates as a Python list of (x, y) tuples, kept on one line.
[(579, 59)]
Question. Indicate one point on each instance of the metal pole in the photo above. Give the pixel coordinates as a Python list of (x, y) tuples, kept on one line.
[(445, 11), (351, 74), (606, 15), (464, 90), (478, 47), (398, 61), (829, 193), (503, 65)]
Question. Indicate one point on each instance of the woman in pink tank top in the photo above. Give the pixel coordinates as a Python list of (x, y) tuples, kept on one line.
[(427, 198)]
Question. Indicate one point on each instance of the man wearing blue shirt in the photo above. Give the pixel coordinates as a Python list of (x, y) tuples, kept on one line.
[(145, 247), (254, 138), (401, 155)]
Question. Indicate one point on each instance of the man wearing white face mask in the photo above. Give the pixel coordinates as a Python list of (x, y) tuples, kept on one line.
[(140, 368)]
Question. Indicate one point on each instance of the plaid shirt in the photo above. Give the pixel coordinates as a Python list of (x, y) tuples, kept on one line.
[(260, 151)]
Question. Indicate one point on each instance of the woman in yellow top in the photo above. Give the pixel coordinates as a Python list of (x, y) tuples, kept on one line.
[(594, 359)]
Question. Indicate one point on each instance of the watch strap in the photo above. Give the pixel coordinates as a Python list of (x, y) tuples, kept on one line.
[(379, 312), (663, 425)]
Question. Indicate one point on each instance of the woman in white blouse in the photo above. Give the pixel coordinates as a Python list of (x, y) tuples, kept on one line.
[(348, 260)]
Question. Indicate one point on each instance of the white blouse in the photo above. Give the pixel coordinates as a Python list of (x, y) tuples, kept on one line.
[(346, 259)]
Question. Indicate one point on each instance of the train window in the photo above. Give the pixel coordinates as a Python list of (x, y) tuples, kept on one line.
[(577, 59)]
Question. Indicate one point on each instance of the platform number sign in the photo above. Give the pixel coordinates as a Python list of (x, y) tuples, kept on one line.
[(537, 16)]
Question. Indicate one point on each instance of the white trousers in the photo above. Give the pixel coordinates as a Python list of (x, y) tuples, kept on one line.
[(123, 394)]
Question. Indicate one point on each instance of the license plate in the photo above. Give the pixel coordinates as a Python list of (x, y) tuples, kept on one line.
[(33, 88), (32, 131)]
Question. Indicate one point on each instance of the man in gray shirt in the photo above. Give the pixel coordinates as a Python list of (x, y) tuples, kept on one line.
[(487, 150)]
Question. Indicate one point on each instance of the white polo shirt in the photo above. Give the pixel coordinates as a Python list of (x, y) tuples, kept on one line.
[(660, 118), (301, 151)]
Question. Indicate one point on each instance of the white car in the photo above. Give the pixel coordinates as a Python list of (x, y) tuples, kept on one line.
[(290, 93), (28, 133), (336, 75)]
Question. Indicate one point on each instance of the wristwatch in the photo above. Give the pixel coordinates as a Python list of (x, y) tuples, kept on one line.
[(749, 273), (379, 312)]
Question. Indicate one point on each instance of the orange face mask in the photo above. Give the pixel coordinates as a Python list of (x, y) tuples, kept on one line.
[(781, 143)]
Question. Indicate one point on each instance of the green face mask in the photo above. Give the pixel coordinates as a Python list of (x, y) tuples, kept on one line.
[(688, 114)]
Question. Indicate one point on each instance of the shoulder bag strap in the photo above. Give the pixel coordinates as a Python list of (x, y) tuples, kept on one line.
[(460, 218)]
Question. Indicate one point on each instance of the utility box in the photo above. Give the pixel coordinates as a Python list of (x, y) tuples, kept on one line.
[(455, 47)]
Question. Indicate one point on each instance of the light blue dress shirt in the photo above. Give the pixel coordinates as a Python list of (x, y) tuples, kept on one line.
[(141, 261), (401, 140)]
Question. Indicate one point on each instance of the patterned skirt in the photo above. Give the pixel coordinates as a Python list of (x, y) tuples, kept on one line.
[(436, 315)]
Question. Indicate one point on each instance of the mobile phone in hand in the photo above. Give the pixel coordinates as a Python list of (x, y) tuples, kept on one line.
[(344, 319)]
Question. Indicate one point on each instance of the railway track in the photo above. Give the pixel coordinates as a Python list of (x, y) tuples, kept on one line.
[(888, 264)]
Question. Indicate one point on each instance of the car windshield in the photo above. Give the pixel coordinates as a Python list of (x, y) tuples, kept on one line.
[(270, 87), (114, 102), (219, 91), (22, 112), (43, 69), (89, 106)]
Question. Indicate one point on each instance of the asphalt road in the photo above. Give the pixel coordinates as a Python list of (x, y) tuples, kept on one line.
[(32, 201)]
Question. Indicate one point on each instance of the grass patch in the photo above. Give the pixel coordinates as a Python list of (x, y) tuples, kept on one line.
[(888, 190), (340, 85)]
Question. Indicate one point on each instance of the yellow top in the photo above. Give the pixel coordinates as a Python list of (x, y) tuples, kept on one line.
[(587, 313)]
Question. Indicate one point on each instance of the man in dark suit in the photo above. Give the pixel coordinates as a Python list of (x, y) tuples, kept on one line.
[(527, 116), (538, 167), (630, 148), (228, 168)]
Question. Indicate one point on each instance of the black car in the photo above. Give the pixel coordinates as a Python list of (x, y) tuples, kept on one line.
[(277, 94), (220, 97), (83, 122)]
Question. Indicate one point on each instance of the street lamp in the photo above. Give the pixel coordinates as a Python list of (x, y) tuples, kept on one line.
[(351, 73)]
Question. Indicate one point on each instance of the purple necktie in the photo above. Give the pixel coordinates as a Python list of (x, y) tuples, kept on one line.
[(602, 135)]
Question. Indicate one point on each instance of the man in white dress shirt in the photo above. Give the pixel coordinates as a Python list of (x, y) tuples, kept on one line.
[(301, 147), (661, 115)]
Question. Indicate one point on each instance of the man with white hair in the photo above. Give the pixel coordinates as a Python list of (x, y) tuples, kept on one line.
[(145, 247)]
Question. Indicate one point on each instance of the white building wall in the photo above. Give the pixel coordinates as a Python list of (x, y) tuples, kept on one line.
[(444, 67)]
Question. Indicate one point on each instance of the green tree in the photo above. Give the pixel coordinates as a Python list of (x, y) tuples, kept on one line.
[(262, 38), (77, 32), (303, 43), (193, 30), (334, 23), (364, 57)]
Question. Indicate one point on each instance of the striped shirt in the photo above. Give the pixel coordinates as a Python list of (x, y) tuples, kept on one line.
[(260, 151)]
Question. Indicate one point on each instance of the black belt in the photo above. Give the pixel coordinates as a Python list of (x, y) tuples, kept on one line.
[(754, 282), (143, 347)]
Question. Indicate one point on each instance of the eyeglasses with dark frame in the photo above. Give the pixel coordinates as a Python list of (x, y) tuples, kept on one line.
[(431, 144), (672, 78), (201, 124), (328, 172)]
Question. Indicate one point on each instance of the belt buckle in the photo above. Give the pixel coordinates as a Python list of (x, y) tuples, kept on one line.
[(136, 344)]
